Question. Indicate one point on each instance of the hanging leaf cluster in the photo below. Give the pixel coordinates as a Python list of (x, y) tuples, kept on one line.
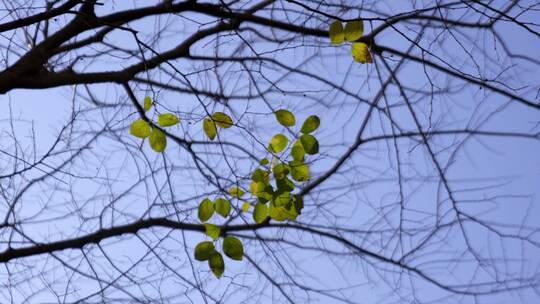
[(142, 128), (352, 32)]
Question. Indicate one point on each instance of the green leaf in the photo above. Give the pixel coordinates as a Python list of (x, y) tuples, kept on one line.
[(204, 250), (264, 162), (354, 30), (337, 35), (206, 210), (222, 120), (297, 151), (310, 124), (298, 203), (167, 120), (260, 212), (277, 213), (285, 118), (280, 170), (232, 247), (246, 206), (278, 143), (260, 175), (147, 103), (360, 53), (222, 206), (299, 171), (140, 128), (236, 192), (284, 185), (216, 264), (282, 199), (209, 128), (256, 187), (212, 231), (157, 140), (310, 144)]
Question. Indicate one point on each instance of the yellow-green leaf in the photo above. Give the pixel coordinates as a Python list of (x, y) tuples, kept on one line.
[(264, 162), (147, 103), (299, 171), (337, 35), (360, 53), (222, 206), (167, 120), (157, 140), (206, 210), (236, 192), (310, 124), (297, 151), (310, 144), (204, 250), (260, 212), (354, 30), (140, 128), (212, 231), (216, 264), (232, 247), (246, 206), (222, 120), (285, 118), (209, 128), (278, 143), (277, 213)]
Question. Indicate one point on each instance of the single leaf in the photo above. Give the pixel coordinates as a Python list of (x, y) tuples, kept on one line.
[(284, 185), (236, 192), (298, 203), (222, 120), (260, 213), (280, 170), (256, 187), (140, 128), (277, 213), (337, 35), (360, 53), (204, 250), (278, 143), (285, 118), (232, 247), (310, 144), (297, 151), (310, 124), (264, 162), (246, 206), (222, 206), (167, 120), (282, 199), (209, 128), (157, 140), (212, 231), (260, 175), (299, 171), (206, 210), (147, 103), (216, 264), (354, 30)]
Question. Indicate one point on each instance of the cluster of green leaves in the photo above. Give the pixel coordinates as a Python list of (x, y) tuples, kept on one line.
[(142, 128), (271, 189), (352, 32), (206, 250)]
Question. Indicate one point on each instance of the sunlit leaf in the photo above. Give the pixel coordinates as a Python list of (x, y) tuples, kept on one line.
[(140, 128), (216, 264), (260, 212), (206, 210), (222, 120), (282, 199), (236, 192), (264, 162), (256, 188), (232, 247), (297, 151), (204, 250), (337, 35), (310, 144), (354, 30), (167, 119), (209, 128), (360, 53), (299, 171), (277, 213), (147, 103), (310, 124), (278, 143), (285, 118), (222, 206), (212, 231), (246, 206), (157, 140)]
